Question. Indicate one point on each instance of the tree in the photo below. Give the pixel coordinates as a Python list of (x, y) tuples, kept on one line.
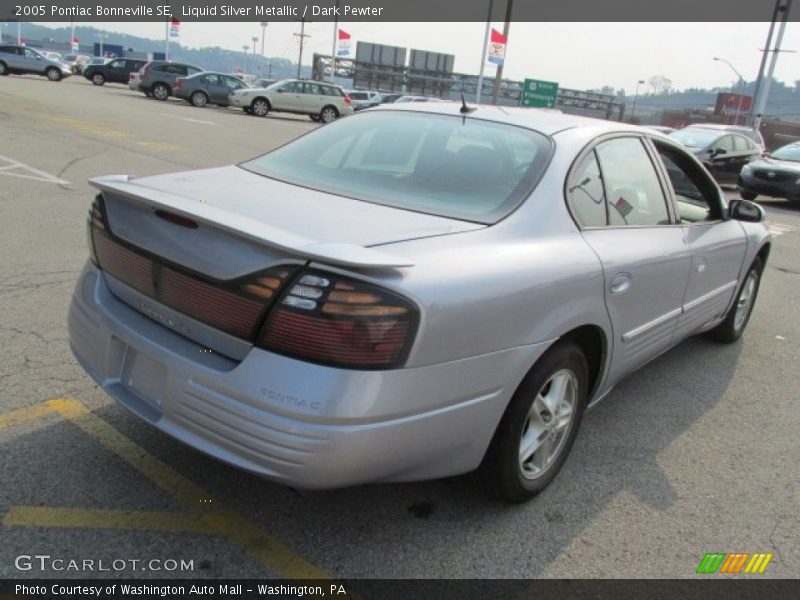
[(660, 84)]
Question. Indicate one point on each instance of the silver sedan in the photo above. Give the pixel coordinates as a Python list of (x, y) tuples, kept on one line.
[(415, 292)]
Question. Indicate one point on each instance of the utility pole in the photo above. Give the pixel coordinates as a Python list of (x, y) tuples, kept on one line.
[(19, 33), (761, 102), (752, 115), (245, 48), (498, 78), (263, 35), (335, 41), (483, 53), (302, 35)]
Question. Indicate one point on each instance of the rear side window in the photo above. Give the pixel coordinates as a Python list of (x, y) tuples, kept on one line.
[(456, 167), (586, 194)]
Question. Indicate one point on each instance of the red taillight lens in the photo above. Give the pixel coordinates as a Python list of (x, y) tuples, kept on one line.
[(236, 307), (347, 100), (179, 84), (342, 322)]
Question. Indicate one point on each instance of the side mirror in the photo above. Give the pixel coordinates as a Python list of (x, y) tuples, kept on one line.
[(717, 151), (745, 210)]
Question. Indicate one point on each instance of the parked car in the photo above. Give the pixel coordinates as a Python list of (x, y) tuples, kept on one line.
[(117, 70), (661, 128), (97, 60), (723, 154), (157, 78), (389, 98), (753, 134), (777, 174), (408, 98), (362, 99), (319, 100), (21, 59), (201, 88), (262, 83), (52, 55), (409, 293), (77, 62)]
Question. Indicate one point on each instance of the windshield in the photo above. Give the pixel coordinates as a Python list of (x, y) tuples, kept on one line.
[(694, 137), (790, 152), (443, 165)]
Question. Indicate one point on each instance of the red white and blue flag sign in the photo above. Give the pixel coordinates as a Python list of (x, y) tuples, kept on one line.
[(497, 48), (75, 45), (174, 28), (343, 47)]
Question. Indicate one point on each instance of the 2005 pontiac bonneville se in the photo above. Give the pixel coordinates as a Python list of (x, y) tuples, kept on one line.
[(412, 292)]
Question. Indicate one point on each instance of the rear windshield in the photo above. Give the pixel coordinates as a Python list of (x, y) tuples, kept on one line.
[(695, 137), (462, 168), (791, 152)]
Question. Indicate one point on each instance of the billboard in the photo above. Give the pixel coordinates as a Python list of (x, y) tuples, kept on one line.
[(379, 67), (430, 73), (729, 105)]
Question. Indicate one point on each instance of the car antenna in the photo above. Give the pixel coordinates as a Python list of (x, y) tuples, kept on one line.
[(464, 108)]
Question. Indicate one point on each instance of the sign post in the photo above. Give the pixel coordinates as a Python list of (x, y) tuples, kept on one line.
[(539, 94)]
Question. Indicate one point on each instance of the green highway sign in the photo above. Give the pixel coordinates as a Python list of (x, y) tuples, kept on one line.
[(539, 94)]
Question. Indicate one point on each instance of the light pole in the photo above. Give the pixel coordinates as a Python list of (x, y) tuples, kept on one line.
[(741, 79), (635, 97), (101, 37), (263, 35), (245, 48)]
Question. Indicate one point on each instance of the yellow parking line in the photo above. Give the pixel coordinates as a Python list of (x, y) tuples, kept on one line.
[(81, 518), (24, 414), (163, 476), (267, 548)]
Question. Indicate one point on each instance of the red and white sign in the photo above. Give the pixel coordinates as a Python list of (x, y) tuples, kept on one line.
[(174, 28), (497, 48), (729, 105), (343, 47), (75, 45)]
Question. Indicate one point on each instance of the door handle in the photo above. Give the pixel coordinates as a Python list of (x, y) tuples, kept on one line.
[(620, 284)]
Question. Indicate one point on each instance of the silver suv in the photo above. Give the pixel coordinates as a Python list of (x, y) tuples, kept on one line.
[(21, 59), (319, 100)]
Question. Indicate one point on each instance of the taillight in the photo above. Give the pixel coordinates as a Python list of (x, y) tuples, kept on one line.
[(179, 84), (131, 75), (347, 100), (343, 322), (236, 307)]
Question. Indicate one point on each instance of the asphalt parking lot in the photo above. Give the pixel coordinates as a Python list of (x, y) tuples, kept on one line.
[(698, 452)]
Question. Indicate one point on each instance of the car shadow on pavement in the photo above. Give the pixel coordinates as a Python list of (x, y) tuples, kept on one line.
[(443, 528)]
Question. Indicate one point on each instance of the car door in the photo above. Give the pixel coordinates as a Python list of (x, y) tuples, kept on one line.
[(11, 55), (616, 196), (115, 71), (32, 61), (210, 84), (721, 158), (717, 244), (288, 97), (315, 99)]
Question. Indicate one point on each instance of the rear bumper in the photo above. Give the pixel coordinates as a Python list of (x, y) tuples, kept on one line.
[(296, 423)]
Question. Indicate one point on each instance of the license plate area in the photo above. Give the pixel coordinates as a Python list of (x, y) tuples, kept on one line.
[(144, 377)]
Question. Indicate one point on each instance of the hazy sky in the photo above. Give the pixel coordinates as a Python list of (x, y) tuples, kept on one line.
[(577, 55)]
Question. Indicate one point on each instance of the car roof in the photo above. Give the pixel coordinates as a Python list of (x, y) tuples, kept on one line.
[(544, 121)]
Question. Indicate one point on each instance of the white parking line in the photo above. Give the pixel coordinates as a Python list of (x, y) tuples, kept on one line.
[(189, 119), (777, 229), (14, 168)]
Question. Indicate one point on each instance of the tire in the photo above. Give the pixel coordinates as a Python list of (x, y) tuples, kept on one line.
[(314, 118), (161, 91), (732, 328), (3, 69), (260, 107), (149, 94), (544, 416), (199, 99), (328, 114), (98, 79), (749, 195), (53, 74)]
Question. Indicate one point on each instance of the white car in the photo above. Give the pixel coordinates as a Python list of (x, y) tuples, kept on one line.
[(321, 101), (364, 99), (133, 81)]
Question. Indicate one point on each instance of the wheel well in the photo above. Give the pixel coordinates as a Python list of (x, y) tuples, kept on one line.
[(330, 106), (166, 85), (591, 340), (763, 254), (264, 98)]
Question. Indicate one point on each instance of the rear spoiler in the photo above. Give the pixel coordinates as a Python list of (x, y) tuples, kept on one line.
[(348, 255)]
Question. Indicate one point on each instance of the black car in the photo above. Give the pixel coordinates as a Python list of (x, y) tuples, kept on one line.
[(158, 77), (723, 154), (777, 174), (116, 71)]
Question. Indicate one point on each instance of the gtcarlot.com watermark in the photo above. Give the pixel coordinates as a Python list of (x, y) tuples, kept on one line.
[(45, 562)]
